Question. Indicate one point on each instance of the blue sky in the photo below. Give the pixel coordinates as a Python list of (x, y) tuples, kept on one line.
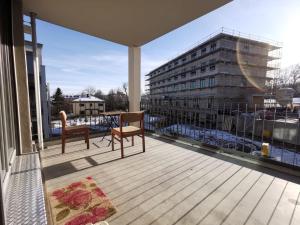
[(75, 61)]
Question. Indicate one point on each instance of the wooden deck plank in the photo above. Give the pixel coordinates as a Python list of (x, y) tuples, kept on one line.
[(222, 207), (166, 200), (285, 208), (263, 212), (166, 180), (187, 212), (137, 198), (295, 220), (246, 204), (170, 184), (144, 177)]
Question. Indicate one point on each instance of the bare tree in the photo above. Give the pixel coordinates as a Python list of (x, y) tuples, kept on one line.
[(287, 77), (89, 91), (294, 75), (125, 88), (99, 94)]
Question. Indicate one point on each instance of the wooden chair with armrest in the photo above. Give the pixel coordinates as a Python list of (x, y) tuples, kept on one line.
[(69, 131), (129, 131)]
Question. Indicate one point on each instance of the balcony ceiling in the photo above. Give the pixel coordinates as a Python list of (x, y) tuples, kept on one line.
[(127, 22)]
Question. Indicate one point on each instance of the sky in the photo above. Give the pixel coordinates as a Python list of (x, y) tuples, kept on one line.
[(75, 61)]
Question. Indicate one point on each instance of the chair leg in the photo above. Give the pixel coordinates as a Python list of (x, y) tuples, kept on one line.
[(87, 140), (112, 142), (63, 144), (122, 150), (132, 140), (143, 140)]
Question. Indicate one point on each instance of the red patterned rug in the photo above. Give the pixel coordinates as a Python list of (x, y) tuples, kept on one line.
[(79, 203)]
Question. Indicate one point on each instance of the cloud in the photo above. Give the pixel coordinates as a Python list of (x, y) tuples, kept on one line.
[(74, 72)]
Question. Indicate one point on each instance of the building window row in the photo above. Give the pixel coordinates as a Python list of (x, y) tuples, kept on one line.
[(201, 83), (211, 65), (203, 50)]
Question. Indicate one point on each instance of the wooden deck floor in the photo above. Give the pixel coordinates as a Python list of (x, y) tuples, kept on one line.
[(172, 185)]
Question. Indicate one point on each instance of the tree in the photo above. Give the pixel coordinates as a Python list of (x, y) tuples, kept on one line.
[(58, 95), (110, 100), (99, 94), (125, 90), (89, 91), (58, 101), (294, 75), (287, 77)]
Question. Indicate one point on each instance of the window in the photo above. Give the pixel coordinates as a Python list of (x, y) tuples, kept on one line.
[(176, 78), (183, 75), (203, 67), (211, 82), (99, 104), (193, 84), (203, 50), (82, 113), (176, 63), (183, 86), (202, 83), (81, 104), (210, 102), (91, 104), (213, 46), (183, 59), (194, 54), (212, 64), (193, 73)]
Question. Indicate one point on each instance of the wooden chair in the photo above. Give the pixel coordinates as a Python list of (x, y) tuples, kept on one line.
[(68, 131), (129, 131)]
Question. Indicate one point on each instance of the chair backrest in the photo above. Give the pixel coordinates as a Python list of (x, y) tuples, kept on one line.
[(63, 118), (130, 117)]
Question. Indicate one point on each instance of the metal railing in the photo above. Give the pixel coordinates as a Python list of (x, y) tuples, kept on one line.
[(97, 123), (237, 128)]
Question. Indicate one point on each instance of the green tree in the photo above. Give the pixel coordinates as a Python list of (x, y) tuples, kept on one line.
[(58, 95), (57, 102)]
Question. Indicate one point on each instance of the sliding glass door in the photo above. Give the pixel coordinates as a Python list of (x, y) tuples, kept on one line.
[(8, 109)]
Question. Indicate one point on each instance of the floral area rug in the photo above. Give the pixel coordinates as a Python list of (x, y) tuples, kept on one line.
[(79, 203)]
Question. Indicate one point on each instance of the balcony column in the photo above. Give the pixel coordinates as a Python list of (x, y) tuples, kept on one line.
[(22, 90), (134, 78), (37, 83)]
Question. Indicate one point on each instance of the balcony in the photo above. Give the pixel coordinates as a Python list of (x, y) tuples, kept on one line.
[(177, 180), (176, 183)]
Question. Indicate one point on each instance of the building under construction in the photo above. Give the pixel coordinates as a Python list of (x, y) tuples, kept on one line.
[(226, 67)]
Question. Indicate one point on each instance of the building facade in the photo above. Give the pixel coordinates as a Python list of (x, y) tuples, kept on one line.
[(88, 105), (225, 68), (45, 98)]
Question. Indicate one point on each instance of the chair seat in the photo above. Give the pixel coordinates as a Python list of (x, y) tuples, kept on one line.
[(76, 128), (128, 130)]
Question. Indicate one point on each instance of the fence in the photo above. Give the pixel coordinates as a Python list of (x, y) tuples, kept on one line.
[(234, 127)]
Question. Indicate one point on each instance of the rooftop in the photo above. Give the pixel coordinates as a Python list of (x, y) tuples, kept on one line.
[(225, 33), (89, 98)]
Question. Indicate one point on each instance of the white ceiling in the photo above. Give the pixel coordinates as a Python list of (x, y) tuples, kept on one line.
[(127, 22)]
